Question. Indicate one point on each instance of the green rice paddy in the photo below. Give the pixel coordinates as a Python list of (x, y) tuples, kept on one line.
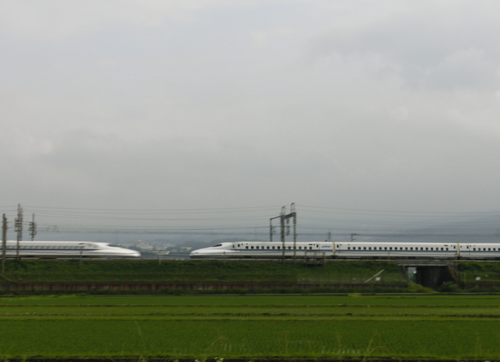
[(202, 326)]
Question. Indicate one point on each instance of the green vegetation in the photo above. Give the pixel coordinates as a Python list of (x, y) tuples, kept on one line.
[(470, 272), (189, 271), (433, 326)]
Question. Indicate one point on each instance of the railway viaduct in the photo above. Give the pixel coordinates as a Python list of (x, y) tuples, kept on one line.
[(430, 273)]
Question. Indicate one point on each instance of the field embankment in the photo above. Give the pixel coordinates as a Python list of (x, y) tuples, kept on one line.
[(187, 271), (219, 276), (198, 277)]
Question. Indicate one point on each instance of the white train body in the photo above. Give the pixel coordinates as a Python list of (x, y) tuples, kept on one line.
[(67, 249), (351, 250), (263, 250)]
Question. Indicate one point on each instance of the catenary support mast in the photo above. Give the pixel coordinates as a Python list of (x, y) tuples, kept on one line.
[(4, 242), (285, 218), (19, 228)]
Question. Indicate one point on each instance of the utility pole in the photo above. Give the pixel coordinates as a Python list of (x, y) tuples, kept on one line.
[(352, 237), (19, 228), (4, 242), (32, 228)]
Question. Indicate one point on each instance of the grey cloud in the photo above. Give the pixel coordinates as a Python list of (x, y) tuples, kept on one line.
[(443, 45), (209, 116)]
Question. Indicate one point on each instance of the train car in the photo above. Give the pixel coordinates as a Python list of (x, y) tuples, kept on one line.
[(67, 249), (348, 250), (265, 250), (374, 250), (479, 251)]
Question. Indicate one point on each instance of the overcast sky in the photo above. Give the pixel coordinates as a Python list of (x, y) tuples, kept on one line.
[(391, 105)]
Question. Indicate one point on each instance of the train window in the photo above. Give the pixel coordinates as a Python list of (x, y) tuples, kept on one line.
[(442, 249), (217, 245), (385, 248), (251, 247), (278, 247), (289, 247), (426, 248), (310, 248), (474, 249), (489, 249), (247, 246), (234, 246), (390, 248), (364, 247), (484, 249), (406, 248), (348, 248), (446, 249), (273, 247), (256, 247)]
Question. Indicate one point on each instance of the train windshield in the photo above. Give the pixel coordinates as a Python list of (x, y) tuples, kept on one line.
[(217, 245)]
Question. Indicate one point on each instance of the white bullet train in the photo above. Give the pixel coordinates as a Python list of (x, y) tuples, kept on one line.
[(354, 250), (66, 249)]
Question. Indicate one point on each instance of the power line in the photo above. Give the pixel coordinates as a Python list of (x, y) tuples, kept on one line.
[(398, 212), (156, 211)]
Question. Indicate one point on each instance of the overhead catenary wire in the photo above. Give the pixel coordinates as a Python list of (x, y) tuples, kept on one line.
[(324, 209), (208, 221)]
